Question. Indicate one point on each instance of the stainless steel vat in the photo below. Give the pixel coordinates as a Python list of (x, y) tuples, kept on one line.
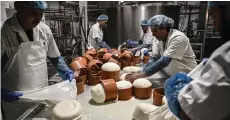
[(124, 22)]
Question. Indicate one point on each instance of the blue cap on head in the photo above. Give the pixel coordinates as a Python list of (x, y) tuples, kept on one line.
[(144, 22), (103, 17), (159, 21), (31, 4)]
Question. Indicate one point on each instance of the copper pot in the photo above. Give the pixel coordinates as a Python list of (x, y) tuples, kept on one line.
[(158, 94), (137, 59), (89, 58), (101, 52), (94, 78), (131, 64), (92, 52), (110, 75), (125, 64), (113, 60), (110, 88), (126, 55), (116, 54), (80, 85), (106, 57), (125, 94), (94, 65), (78, 66), (83, 60), (83, 77), (146, 59), (143, 93)]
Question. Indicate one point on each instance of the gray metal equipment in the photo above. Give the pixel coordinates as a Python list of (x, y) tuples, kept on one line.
[(124, 22)]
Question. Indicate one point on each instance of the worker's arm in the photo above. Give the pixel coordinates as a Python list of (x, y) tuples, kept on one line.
[(102, 43), (154, 67), (56, 59)]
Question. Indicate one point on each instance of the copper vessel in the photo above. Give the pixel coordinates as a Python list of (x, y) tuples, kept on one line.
[(89, 58), (146, 59), (92, 52), (94, 65), (125, 94), (78, 66), (80, 85), (94, 78), (106, 57), (142, 93), (110, 75), (110, 88), (158, 94), (83, 60)]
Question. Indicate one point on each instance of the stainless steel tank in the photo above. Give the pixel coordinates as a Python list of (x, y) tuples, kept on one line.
[(124, 22)]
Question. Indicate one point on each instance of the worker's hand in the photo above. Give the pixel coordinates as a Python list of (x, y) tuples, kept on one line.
[(9, 95), (172, 88), (134, 76), (69, 75), (146, 52), (132, 43)]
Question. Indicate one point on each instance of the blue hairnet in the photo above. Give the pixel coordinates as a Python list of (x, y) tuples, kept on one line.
[(31, 4), (172, 88), (144, 22), (159, 21), (103, 17)]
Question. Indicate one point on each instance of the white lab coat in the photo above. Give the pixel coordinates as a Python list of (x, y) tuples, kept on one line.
[(148, 37), (179, 49), (26, 68), (95, 32), (208, 98)]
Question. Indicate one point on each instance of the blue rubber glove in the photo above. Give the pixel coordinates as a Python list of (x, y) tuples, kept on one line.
[(172, 88), (153, 67), (204, 60), (132, 43), (63, 70), (10, 96), (146, 52), (103, 44)]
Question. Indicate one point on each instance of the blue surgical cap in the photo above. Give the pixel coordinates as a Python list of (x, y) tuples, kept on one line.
[(103, 17), (172, 88), (160, 21), (31, 4), (144, 22)]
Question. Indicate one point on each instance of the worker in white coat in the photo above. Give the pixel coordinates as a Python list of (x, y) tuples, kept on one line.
[(25, 45), (146, 42), (206, 97), (176, 55), (95, 37)]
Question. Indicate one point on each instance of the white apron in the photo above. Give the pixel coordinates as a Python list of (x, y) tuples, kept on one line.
[(28, 68)]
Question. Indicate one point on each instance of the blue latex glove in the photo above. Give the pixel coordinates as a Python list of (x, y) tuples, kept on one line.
[(153, 67), (63, 70), (204, 60), (132, 43), (146, 52), (10, 96), (172, 88), (103, 44)]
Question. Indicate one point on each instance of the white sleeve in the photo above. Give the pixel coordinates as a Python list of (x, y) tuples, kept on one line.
[(96, 33), (52, 46), (209, 97), (176, 48)]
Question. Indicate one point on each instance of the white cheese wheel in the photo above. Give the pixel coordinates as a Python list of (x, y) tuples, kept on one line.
[(123, 85), (110, 67), (122, 77), (143, 111), (67, 110), (98, 93), (142, 83), (132, 69)]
